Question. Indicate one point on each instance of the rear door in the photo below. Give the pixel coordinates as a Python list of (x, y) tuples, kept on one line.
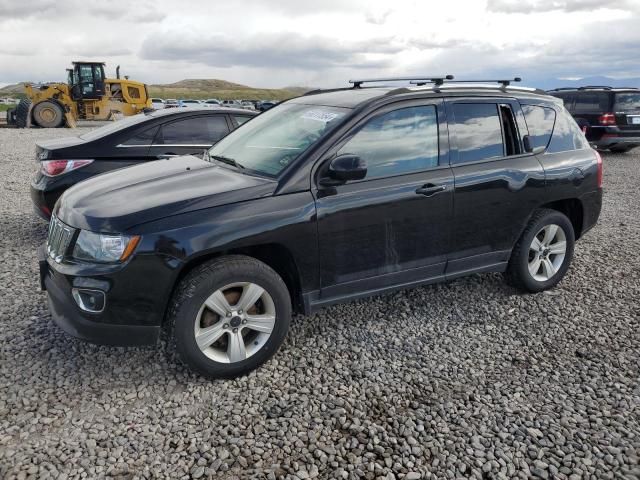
[(190, 135), (497, 185)]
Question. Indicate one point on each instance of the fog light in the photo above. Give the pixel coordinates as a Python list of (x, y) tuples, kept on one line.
[(92, 301)]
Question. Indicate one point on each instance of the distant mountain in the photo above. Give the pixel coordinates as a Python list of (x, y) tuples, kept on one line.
[(549, 83), (221, 89)]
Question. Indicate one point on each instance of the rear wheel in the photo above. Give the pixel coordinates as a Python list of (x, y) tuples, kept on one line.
[(22, 113), (48, 114), (543, 253), (229, 316)]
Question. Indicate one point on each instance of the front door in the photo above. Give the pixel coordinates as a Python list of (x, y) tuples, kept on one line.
[(392, 227)]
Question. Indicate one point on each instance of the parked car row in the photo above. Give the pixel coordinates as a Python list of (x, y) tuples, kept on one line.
[(260, 105), (324, 198)]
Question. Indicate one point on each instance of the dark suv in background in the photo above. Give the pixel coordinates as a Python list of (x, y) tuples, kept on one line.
[(324, 198), (610, 117)]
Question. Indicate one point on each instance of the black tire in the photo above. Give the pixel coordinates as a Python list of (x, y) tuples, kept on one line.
[(22, 113), (11, 116), (199, 285), (620, 149), (517, 273), (48, 114)]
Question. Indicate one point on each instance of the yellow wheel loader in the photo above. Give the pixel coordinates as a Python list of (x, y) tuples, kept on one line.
[(87, 95)]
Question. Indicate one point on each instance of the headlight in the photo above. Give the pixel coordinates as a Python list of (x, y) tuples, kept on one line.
[(103, 248)]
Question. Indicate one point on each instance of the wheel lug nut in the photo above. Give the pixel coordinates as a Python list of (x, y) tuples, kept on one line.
[(235, 330), (244, 322), (239, 312), (226, 325), (228, 314)]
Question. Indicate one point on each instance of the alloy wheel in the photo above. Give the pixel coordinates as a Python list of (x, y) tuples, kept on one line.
[(547, 252), (235, 322)]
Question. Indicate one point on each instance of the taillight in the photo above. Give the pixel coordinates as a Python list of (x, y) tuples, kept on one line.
[(607, 119), (599, 161), (53, 168)]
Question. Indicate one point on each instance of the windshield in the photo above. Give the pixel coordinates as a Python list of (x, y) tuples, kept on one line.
[(114, 127), (627, 101), (274, 139)]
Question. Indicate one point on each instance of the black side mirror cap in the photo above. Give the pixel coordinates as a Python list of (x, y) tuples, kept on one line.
[(345, 168), (529, 148)]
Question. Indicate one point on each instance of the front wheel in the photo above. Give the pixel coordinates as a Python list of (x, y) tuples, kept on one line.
[(229, 316), (48, 114), (543, 253)]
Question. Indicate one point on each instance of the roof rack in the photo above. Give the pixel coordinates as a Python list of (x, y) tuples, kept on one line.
[(505, 83), (425, 78)]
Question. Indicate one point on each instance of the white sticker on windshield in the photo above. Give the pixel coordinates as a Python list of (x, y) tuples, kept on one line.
[(320, 115)]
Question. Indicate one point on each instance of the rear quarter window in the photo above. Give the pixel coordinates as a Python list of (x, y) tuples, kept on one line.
[(566, 134), (591, 102), (540, 122)]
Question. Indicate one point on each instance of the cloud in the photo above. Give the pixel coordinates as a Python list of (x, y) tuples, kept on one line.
[(137, 12), (540, 6), (10, 9), (269, 50)]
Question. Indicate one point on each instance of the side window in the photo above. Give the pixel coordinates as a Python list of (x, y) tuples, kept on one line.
[(591, 102), (477, 131), (566, 134), (540, 122), (397, 142), (509, 130), (241, 119), (201, 130), (144, 137)]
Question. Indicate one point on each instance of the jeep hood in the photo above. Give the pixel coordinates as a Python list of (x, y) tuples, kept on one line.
[(117, 201)]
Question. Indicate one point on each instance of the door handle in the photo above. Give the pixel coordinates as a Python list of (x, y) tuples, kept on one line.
[(430, 189)]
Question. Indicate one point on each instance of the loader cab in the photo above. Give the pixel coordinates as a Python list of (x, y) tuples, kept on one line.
[(86, 80)]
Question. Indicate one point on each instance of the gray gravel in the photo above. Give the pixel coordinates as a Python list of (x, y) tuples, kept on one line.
[(467, 379)]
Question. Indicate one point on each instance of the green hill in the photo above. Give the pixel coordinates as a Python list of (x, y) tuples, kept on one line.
[(199, 89), (16, 90), (221, 89)]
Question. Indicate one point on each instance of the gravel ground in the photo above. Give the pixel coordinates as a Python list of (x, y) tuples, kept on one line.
[(467, 379)]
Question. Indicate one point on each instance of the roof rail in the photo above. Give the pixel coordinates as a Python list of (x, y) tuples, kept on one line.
[(505, 83), (586, 87), (561, 88), (424, 78)]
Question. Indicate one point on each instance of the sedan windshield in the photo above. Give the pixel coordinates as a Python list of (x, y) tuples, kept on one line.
[(274, 139)]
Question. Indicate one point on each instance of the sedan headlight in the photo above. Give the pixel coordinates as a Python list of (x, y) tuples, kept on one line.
[(104, 248)]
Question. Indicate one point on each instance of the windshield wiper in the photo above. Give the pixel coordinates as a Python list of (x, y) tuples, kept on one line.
[(227, 160)]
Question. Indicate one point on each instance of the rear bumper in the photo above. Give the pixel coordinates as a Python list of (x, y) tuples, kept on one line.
[(608, 140), (43, 200), (99, 328)]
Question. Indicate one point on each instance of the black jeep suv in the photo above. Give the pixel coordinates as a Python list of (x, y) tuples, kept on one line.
[(610, 117), (324, 198)]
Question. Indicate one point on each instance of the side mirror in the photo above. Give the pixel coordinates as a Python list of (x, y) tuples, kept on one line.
[(529, 148), (343, 169)]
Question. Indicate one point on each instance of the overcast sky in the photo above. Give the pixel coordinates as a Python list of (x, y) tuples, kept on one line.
[(276, 43)]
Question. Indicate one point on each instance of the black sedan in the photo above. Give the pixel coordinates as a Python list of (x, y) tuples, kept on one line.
[(141, 138)]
